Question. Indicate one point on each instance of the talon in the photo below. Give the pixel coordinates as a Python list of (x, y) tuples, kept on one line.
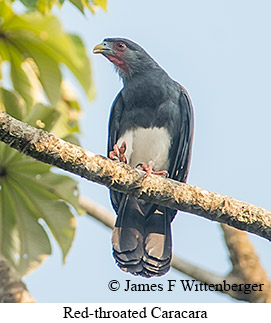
[(161, 173), (116, 150), (145, 168), (149, 169), (112, 155), (118, 153), (122, 150)]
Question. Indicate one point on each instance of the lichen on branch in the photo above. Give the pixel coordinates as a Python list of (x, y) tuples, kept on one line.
[(47, 148)]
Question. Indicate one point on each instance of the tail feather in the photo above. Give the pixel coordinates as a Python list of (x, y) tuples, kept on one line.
[(142, 238), (129, 246), (125, 239), (156, 270), (128, 235), (158, 244)]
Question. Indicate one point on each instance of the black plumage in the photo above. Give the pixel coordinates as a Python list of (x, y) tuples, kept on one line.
[(153, 114)]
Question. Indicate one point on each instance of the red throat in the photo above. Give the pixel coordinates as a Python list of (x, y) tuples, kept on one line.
[(118, 62)]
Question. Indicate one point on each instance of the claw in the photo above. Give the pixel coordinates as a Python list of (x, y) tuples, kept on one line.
[(149, 169), (112, 155), (122, 150), (118, 153)]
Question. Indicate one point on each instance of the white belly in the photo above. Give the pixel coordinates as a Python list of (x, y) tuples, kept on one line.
[(145, 145)]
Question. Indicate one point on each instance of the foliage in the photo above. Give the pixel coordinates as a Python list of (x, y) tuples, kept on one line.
[(45, 6), (35, 46), (31, 193), (33, 200)]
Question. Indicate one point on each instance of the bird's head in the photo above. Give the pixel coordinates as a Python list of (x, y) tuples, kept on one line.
[(128, 57)]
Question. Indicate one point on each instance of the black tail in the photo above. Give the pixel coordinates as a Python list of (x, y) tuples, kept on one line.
[(142, 238)]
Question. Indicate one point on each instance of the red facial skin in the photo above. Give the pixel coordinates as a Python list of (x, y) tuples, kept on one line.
[(118, 59)]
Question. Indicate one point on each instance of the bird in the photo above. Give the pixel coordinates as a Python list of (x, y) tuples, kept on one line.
[(150, 126)]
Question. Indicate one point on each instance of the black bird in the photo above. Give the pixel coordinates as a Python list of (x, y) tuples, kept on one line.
[(151, 124)]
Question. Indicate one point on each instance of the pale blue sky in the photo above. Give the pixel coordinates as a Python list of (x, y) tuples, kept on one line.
[(220, 51)]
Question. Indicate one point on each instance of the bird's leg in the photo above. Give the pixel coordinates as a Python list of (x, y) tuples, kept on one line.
[(149, 169), (114, 154), (119, 152)]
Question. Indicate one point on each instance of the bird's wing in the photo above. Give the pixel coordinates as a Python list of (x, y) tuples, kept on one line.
[(180, 163), (114, 121), (113, 136)]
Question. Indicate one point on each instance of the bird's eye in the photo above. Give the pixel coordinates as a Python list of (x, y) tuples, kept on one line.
[(121, 45)]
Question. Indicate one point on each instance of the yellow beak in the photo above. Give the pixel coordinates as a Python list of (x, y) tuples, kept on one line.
[(98, 49)]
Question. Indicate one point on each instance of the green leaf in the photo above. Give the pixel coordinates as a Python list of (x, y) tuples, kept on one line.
[(48, 193), (9, 235), (30, 4), (46, 34), (6, 12), (32, 37), (8, 155), (18, 76), (49, 72), (33, 244), (32, 198), (73, 139), (13, 103), (53, 211), (65, 126), (64, 187), (78, 4), (94, 4), (45, 6), (101, 3), (83, 78), (44, 117), (4, 54)]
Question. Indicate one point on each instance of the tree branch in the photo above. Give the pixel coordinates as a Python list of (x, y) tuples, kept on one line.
[(12, 289), (246, 268), (98, 212), (47, 148)]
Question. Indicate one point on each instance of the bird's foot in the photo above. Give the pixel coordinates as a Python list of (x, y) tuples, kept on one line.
[(118, 153), (149, 169)]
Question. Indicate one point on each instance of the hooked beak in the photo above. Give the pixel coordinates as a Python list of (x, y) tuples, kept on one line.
[(101, 48)]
